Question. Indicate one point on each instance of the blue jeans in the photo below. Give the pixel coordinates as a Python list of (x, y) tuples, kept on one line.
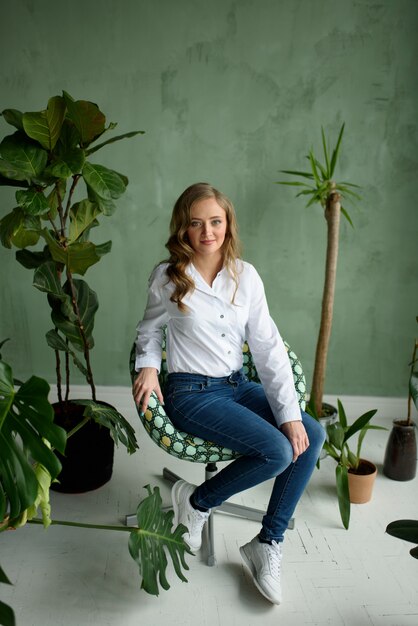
[(234, 412)]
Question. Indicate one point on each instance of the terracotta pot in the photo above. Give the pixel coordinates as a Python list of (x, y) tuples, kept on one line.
[(88, 460), (401, 452), (361, 481)]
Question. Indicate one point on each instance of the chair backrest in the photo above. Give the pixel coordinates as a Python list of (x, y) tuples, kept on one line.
[(188, 447)]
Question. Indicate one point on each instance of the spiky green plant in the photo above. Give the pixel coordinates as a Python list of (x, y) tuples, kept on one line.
[(337, 447), (319, 186)]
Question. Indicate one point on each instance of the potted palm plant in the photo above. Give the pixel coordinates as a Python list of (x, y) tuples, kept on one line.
[(46, 158), (29, 441), (354, 476), (400, 461), (319, 186)]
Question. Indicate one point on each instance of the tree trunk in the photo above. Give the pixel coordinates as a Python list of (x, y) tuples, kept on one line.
[(332, 215)]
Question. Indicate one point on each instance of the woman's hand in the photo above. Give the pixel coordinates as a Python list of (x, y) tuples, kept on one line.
[(296, 433), (144, 384)]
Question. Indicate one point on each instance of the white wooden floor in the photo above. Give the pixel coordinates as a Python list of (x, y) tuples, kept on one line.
[(77, 577)]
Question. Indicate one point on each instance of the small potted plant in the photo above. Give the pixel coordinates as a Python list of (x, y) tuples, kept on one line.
[(319, 186), (45, 159), (400, 461), (354, 476)]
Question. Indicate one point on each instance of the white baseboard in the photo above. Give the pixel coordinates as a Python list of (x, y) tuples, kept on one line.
[(387, 408)]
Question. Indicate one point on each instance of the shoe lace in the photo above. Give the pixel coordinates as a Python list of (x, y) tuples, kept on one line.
[(197, 519), (275, 558)]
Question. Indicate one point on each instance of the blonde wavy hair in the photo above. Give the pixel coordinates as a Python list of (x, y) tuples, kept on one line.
[(181, 253)]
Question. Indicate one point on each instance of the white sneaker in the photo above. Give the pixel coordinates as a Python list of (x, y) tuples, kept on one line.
[(184, 513), (264, 562)]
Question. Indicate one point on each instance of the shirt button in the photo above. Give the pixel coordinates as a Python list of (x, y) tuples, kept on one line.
[(229, 351), (223, 335), (222, 316)]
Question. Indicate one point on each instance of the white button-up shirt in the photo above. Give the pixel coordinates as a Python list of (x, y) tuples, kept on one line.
[(208, 338)]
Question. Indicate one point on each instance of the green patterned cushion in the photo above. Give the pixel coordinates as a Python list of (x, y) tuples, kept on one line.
[(183, 445)]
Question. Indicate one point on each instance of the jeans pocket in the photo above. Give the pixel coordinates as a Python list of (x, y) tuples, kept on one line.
[(178, 389)]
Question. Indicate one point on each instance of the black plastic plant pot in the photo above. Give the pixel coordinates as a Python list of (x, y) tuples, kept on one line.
[(400, 461), (88, 460)]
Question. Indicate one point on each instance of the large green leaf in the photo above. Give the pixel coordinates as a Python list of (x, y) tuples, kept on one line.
[(107, 207), (31, 260), (56, 342), (29, 232), (113, 139), (13, 117), (341, 474), (336, 435), (341, 414), (108, 416), (25, 427), (7, 617), (150, 541), (82, 215), (45, 126), (86, 117), (27, 157), (10, 224), (107, 183), (11, 175), (77, 257), (359, 424), (406, 529), (7, 392), (32, 200), (46, 279), (87, 304)]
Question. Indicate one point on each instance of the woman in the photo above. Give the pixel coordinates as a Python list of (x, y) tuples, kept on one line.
[(212, 301)]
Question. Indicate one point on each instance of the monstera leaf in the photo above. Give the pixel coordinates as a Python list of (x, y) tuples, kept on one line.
[(26, 421), (108, 416), (7, 617), (149, 542)]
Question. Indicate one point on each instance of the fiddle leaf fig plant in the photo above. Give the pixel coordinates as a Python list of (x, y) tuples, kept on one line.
[(318, 186), (47, 157)]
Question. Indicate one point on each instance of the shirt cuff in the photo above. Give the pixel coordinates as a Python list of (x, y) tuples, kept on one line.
[(290, 414), (147, 361)]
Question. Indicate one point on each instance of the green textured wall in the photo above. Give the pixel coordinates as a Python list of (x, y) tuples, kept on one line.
[(231, 92)]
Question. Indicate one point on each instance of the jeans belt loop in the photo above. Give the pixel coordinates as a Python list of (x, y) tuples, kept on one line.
[(231, 381)]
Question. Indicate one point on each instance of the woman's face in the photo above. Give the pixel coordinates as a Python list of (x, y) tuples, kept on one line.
[(208, 227)]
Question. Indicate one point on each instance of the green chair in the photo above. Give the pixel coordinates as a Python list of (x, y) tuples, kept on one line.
[(196, 450)]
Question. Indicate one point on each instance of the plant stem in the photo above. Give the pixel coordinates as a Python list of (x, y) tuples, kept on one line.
[(332, 215), (67, 373), (70, 195), (60, 211), (81, 525), (58, 372), (78, 427), (86, 350)]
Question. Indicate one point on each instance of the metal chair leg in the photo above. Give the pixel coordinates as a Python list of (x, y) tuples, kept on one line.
[(239, 510)]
